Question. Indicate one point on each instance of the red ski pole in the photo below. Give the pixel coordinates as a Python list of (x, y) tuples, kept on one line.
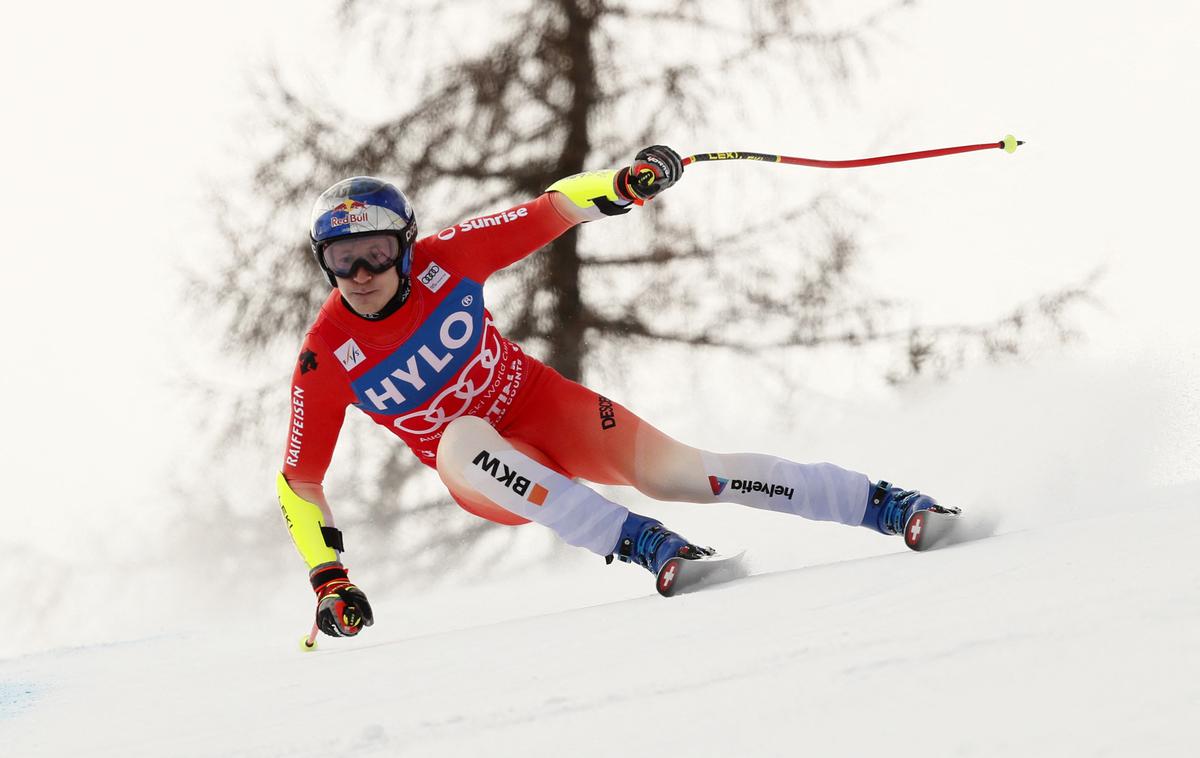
[(1008, 144)]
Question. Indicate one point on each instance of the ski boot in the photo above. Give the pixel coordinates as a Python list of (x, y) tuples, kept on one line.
[(649, 544), (924, 523)]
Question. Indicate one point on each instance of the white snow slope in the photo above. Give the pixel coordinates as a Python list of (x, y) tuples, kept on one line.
[(1069, 638)]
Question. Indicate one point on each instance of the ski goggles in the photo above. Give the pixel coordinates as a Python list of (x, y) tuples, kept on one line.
[(375, 252)]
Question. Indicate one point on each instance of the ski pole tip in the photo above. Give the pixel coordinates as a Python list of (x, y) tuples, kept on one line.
[(1010, 143), (308, 642)]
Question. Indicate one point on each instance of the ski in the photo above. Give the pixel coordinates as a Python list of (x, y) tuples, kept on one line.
[(681, 575), (932, 527)]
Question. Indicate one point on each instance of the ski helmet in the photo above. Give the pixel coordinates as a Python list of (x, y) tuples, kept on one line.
[(363, 205)]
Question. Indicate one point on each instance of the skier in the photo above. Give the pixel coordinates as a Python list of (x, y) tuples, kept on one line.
[(404, 336)]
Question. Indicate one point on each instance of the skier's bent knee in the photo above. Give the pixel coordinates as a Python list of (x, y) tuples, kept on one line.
[(463, 437)]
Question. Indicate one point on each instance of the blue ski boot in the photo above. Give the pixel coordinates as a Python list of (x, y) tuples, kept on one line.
[(924, 523), (646, 542)]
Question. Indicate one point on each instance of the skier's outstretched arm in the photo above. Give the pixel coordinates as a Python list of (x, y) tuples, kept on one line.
[(319, 403), (481, 246), (342, 608)]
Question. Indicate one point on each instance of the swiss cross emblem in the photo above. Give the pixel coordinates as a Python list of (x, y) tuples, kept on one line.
[(915, 527), (668, 577)]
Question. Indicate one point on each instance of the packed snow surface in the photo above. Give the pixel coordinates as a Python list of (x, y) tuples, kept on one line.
[(1077, 637)]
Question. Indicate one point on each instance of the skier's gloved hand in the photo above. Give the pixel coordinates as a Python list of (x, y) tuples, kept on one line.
[(342, 608), (654, 169)]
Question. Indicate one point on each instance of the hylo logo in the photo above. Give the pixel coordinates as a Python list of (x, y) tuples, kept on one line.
[(409, 371)]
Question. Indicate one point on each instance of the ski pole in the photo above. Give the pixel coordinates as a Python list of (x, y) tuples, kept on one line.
[(1008, 144), (308, 643)]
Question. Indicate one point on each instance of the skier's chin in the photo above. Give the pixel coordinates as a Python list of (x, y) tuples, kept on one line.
[(370, 297), (363, 302)]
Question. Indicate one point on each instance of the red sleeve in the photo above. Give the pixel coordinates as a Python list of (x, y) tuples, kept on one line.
[(319, 396), (481, 246)]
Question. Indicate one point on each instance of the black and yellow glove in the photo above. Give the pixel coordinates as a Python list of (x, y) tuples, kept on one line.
[(342, 608), (612, 192), (654, 169)]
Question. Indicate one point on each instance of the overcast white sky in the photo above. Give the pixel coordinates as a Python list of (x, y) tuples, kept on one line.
[(115, 112)]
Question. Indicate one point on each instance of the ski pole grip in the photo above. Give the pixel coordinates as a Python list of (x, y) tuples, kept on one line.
[(644, 169)]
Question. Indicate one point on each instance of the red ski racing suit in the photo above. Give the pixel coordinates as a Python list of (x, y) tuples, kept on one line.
[(440, 358)]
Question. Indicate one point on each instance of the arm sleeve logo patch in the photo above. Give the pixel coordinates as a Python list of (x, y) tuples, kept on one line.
[(308, 362)]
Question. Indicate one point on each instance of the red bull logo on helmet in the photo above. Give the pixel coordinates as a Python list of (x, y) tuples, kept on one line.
[(344, 213)]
